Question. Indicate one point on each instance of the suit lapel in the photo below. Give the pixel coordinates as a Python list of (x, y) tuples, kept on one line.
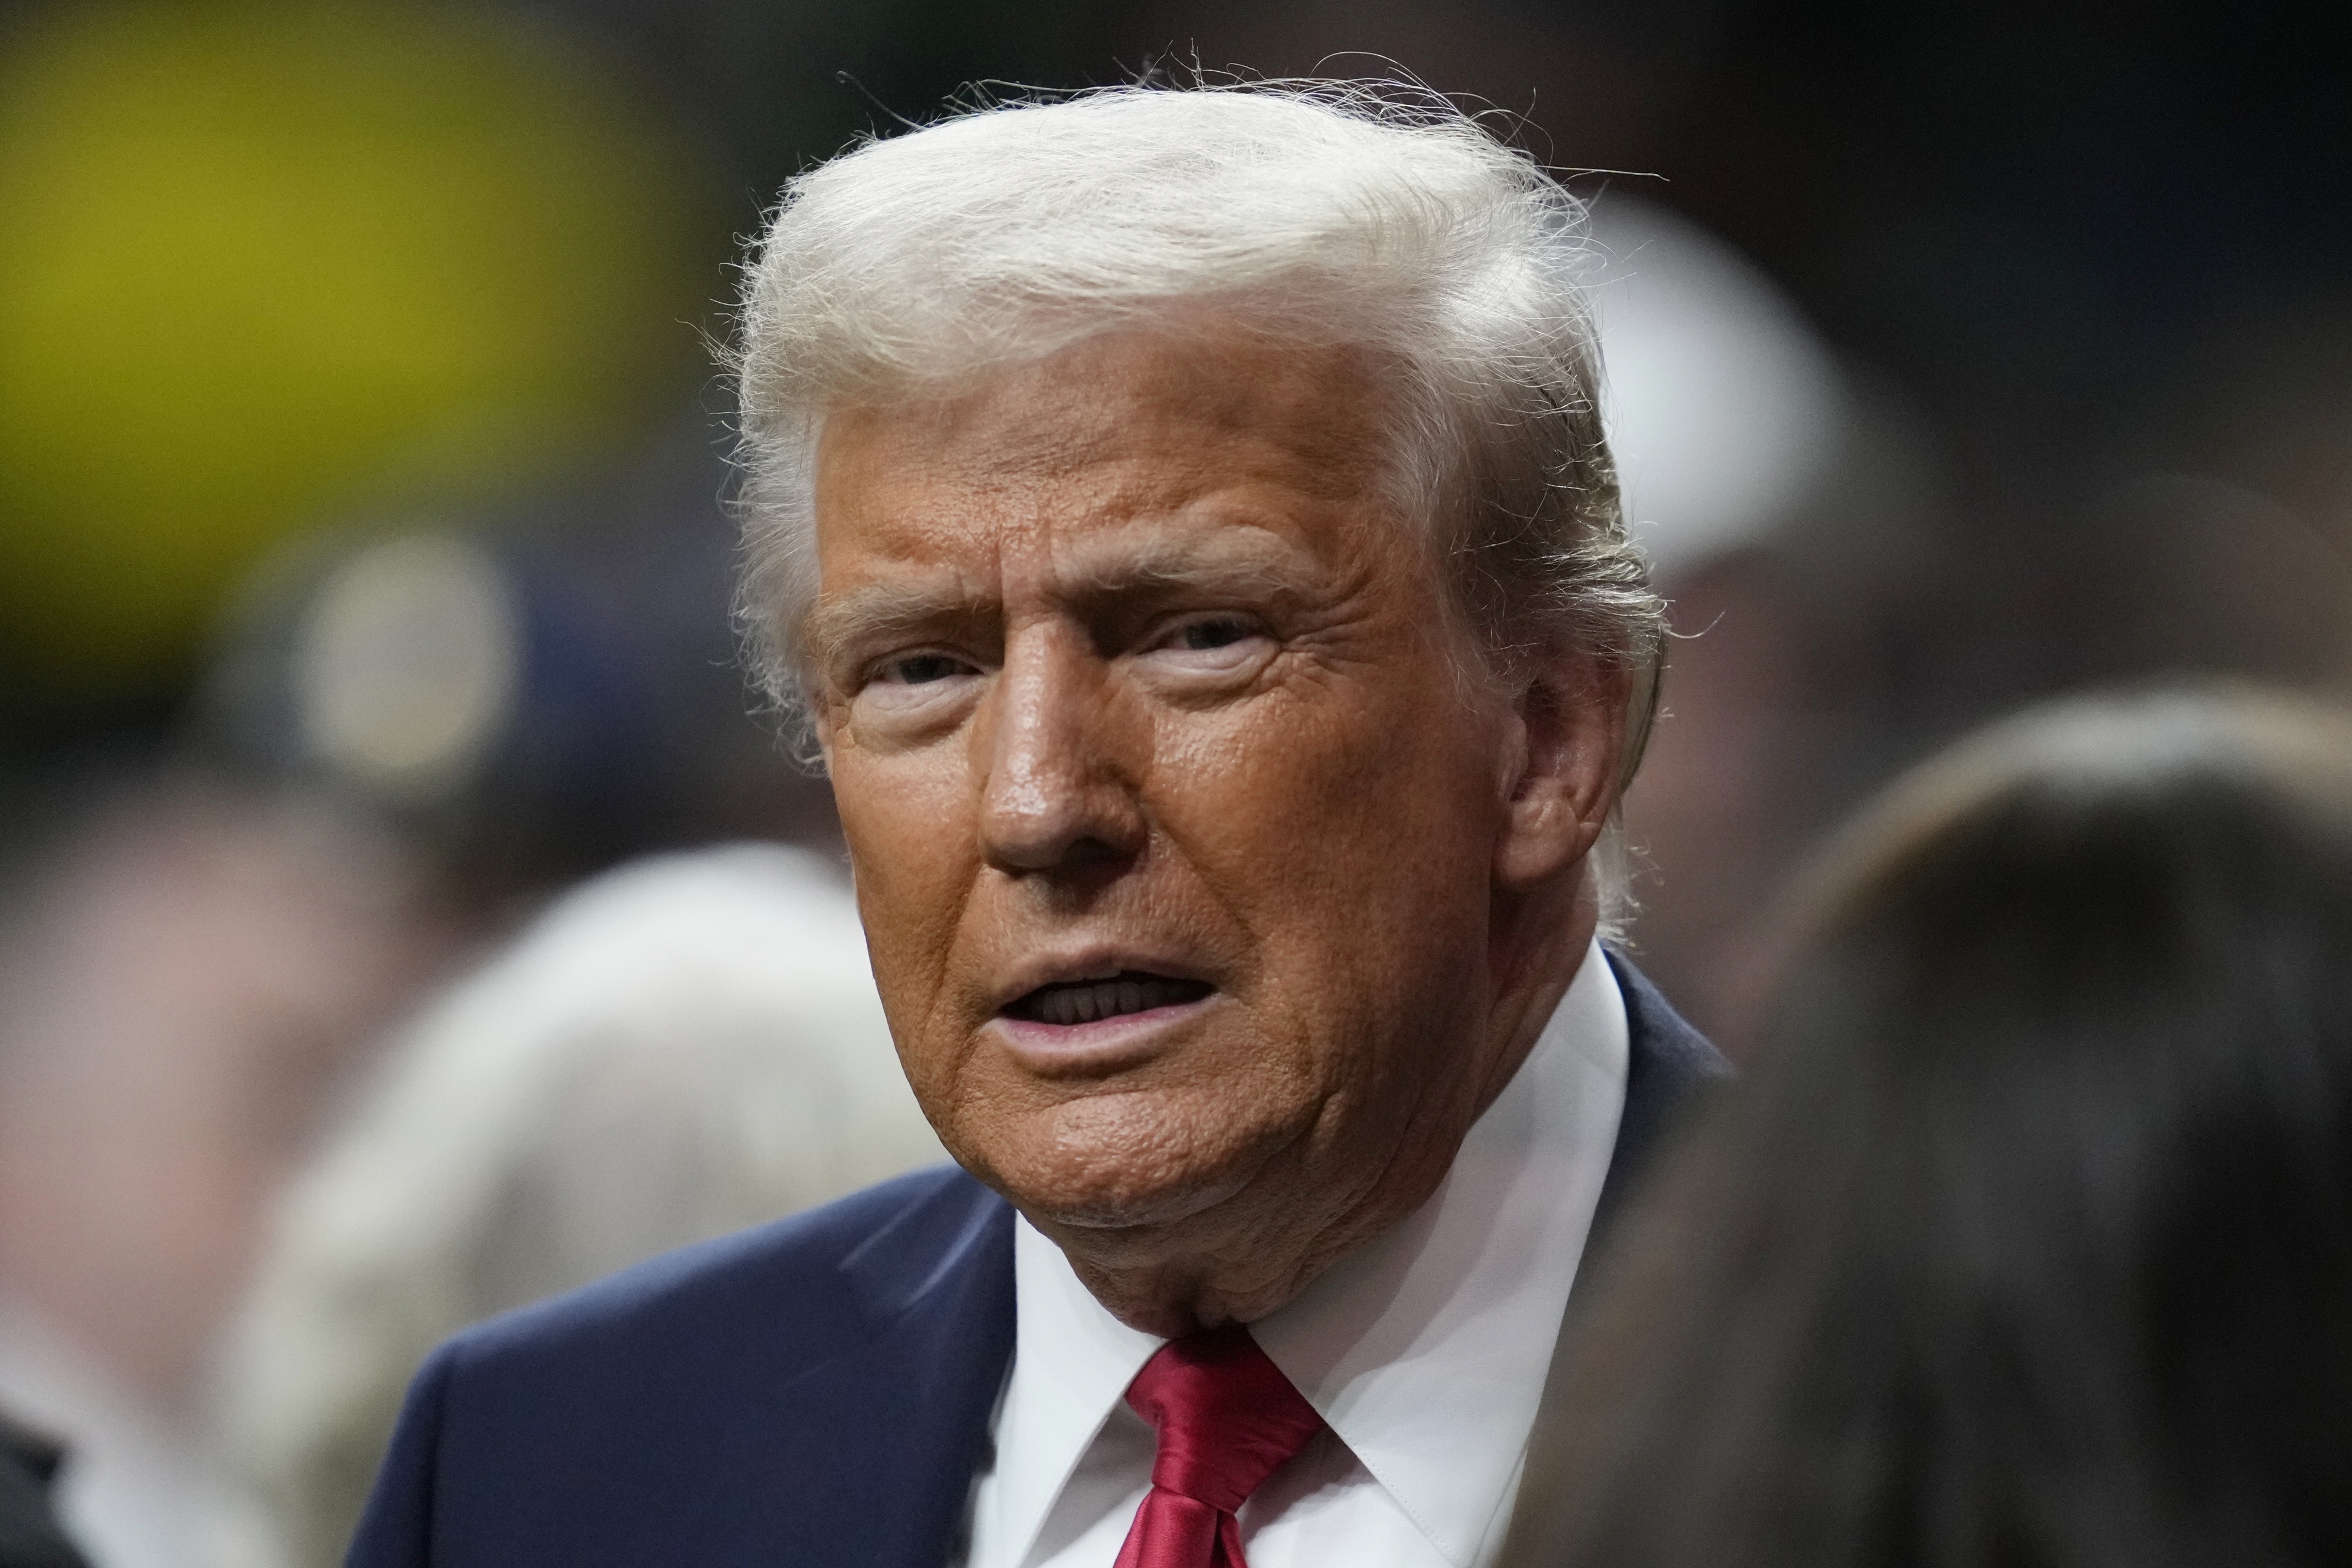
[(911, 1405)]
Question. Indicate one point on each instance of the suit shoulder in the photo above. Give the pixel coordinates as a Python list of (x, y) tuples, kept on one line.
[(813, 1280), (1665, 1044), (717, 1404)]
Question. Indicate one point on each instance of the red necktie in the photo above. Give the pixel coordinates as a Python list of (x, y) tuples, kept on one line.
[(1228, 1418)]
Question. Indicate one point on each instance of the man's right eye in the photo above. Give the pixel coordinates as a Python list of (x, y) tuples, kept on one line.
[(919, 669)]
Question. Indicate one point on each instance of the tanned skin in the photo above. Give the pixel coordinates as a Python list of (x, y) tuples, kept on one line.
[(1127, 665)]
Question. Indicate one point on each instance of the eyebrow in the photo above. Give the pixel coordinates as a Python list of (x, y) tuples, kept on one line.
[(880, 612)]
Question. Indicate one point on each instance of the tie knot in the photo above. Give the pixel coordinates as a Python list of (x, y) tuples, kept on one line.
[(1227, 1417)]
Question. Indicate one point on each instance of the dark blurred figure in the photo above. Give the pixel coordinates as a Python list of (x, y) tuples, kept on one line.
[(29, 1534), (2030, 1242)]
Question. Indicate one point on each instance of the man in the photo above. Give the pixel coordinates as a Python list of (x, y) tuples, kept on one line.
[(1183, 521)]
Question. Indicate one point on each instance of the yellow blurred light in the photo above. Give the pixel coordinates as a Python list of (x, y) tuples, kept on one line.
[(260, 261)]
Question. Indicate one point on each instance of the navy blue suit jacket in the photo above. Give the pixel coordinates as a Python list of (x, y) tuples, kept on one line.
[(813, 1391)]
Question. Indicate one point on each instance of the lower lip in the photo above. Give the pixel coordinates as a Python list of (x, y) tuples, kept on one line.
[(1104, 1045)]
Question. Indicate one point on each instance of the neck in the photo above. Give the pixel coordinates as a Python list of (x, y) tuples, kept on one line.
[(1253, 1253)]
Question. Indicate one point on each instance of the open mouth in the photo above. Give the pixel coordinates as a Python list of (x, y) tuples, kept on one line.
[(1091, 1001)]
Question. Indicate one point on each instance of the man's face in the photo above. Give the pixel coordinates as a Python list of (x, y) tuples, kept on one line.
[(1172, 824)]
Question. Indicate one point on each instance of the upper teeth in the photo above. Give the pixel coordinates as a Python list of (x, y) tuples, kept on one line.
[(1102, 999)]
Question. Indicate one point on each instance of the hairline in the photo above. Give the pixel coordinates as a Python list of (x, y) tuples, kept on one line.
[(1415, 499)]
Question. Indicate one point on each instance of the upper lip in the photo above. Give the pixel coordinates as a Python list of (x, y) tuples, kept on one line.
[(1095, 961)]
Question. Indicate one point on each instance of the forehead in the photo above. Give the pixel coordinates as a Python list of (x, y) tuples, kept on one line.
[(1127, 434)]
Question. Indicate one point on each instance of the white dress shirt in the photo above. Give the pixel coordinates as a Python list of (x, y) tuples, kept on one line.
[(1425, 1351)]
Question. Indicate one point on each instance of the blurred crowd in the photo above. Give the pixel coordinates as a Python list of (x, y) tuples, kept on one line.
[(404, 914)]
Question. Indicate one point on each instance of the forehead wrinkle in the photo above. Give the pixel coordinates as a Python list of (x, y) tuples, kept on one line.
[(1234, 556), (1146, 552)]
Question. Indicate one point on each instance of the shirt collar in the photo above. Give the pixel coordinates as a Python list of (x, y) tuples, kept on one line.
[(1425, 1349), (1072, 1362)]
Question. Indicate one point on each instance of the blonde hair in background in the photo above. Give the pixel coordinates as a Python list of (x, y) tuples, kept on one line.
[(680, 1049)]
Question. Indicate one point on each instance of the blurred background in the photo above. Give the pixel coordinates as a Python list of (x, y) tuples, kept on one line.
[(364, 578)]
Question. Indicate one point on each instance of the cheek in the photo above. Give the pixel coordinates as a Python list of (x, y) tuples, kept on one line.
[(908, 821), (1335, 825)]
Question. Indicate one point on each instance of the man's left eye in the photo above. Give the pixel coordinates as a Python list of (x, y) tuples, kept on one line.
[(1216, 644), (1220, 632)]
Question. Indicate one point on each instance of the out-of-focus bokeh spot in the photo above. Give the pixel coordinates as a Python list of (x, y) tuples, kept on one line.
[(406, 663), (261, 261)]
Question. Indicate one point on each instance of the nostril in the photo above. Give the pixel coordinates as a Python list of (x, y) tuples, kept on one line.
[(1044, 851)]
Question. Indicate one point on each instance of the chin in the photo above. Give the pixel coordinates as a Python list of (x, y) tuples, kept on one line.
[(1124, 1161)]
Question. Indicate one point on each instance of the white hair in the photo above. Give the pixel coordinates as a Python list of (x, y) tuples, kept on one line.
[(1319, 212), (678, 1049)]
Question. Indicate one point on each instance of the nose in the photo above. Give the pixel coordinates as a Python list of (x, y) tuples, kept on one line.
[(1054, 796)]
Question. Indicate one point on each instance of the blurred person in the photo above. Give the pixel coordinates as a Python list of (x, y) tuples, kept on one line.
[(530, 693), (183, 981), (1186, 520), (2030, 1241), (675, 1050), (1727, 414), (1742, 447)]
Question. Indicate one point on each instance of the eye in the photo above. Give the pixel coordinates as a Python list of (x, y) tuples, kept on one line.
[(1215, 643), (919, 669), (1216, 632), (907, 695)]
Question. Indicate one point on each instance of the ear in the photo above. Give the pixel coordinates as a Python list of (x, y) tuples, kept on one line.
[(1562, 784)]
